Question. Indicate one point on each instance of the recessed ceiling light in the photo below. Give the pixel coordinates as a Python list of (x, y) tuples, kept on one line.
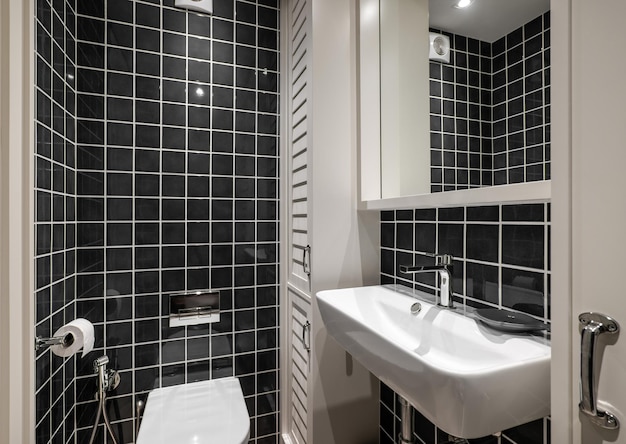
[(463, 3)]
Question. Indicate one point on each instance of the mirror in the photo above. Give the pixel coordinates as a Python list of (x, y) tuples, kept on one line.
[(403, 84), (482, 119)]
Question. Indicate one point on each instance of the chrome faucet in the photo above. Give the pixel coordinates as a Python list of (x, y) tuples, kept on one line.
[(443, 266)]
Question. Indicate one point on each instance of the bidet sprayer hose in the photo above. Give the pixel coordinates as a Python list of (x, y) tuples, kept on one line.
[(105, 415), (102, 411)]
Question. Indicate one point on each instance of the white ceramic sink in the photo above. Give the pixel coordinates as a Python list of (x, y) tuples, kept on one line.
[(466, 378)]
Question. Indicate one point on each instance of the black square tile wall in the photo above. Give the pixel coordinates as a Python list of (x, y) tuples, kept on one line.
[(490, 110), (501, 259), (501, 253), (460, 116), (535, 432), (521, 104), (55, 213), (156, 173)]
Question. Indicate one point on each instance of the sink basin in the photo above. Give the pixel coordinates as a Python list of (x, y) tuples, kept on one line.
[(469, 380)]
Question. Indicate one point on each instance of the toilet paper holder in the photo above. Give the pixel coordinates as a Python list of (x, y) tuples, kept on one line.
[(66, 340)]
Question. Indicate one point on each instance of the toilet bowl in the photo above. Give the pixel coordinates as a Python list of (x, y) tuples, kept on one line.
[(204, 412)]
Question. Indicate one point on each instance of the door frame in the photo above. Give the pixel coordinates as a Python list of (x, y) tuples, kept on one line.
[(17, 356), (561, 301), (17, 218), (588, 159), (565, 342)]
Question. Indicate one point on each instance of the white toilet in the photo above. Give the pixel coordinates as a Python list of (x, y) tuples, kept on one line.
[(204, 412)]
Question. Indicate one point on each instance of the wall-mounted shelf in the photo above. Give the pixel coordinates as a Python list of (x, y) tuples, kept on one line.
[(529, 192)]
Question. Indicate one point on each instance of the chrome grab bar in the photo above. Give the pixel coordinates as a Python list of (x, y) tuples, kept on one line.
[(593, 325)]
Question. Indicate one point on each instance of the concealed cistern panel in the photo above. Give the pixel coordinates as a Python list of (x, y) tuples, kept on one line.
[(199, 307)]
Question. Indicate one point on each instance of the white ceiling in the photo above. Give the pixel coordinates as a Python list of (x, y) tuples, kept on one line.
[(485, 20)]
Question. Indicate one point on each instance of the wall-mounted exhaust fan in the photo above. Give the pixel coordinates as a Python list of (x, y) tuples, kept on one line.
[(439, 47)]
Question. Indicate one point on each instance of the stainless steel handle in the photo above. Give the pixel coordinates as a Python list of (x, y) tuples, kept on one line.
[(593, 325), (305, 263), (306, 335)]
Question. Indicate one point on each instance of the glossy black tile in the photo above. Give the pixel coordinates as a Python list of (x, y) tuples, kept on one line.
[(197, 209), (222, 74), (174, 44), (119, 34), (146, 281), (482, 242), (119, 109), (523, 291), (147, 233), (523, 245), (147, 185), (520, 213), (425, 237), (174, 20), (451, 214), (147, 209), (119, 259), (94, 9), (487, 213)]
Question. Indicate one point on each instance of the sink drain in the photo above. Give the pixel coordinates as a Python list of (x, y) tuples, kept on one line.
[(416, 308)]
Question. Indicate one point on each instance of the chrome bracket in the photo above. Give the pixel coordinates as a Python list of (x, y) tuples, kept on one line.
[(66, 340), (592, 326)]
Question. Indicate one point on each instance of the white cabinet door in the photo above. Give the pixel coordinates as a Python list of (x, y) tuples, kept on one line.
[(297, 191), (299, 366), (589, 211), (297, 93)]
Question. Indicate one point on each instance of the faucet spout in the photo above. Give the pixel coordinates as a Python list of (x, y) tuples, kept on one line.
[(443, 267)]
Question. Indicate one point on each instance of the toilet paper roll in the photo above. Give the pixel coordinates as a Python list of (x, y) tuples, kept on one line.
[(82, 336)]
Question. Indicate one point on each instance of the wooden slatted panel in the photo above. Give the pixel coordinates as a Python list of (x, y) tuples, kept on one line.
[(298, 139), (300, 310), (297, 99)]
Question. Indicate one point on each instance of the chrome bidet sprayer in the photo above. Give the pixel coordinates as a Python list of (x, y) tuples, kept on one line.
[(107, 380)]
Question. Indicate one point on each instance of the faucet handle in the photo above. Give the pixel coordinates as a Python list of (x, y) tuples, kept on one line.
[(440, 258)]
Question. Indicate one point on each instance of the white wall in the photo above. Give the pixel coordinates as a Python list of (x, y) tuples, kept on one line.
[(345, 242)]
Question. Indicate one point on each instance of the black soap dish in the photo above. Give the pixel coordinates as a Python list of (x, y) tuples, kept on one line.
[(509, 321)]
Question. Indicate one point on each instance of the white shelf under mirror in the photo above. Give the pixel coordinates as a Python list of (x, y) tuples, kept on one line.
[(529, 192)]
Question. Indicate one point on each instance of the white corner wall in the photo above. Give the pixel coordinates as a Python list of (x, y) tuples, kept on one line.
[(17, 360), (562, 383), (345, 394)]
